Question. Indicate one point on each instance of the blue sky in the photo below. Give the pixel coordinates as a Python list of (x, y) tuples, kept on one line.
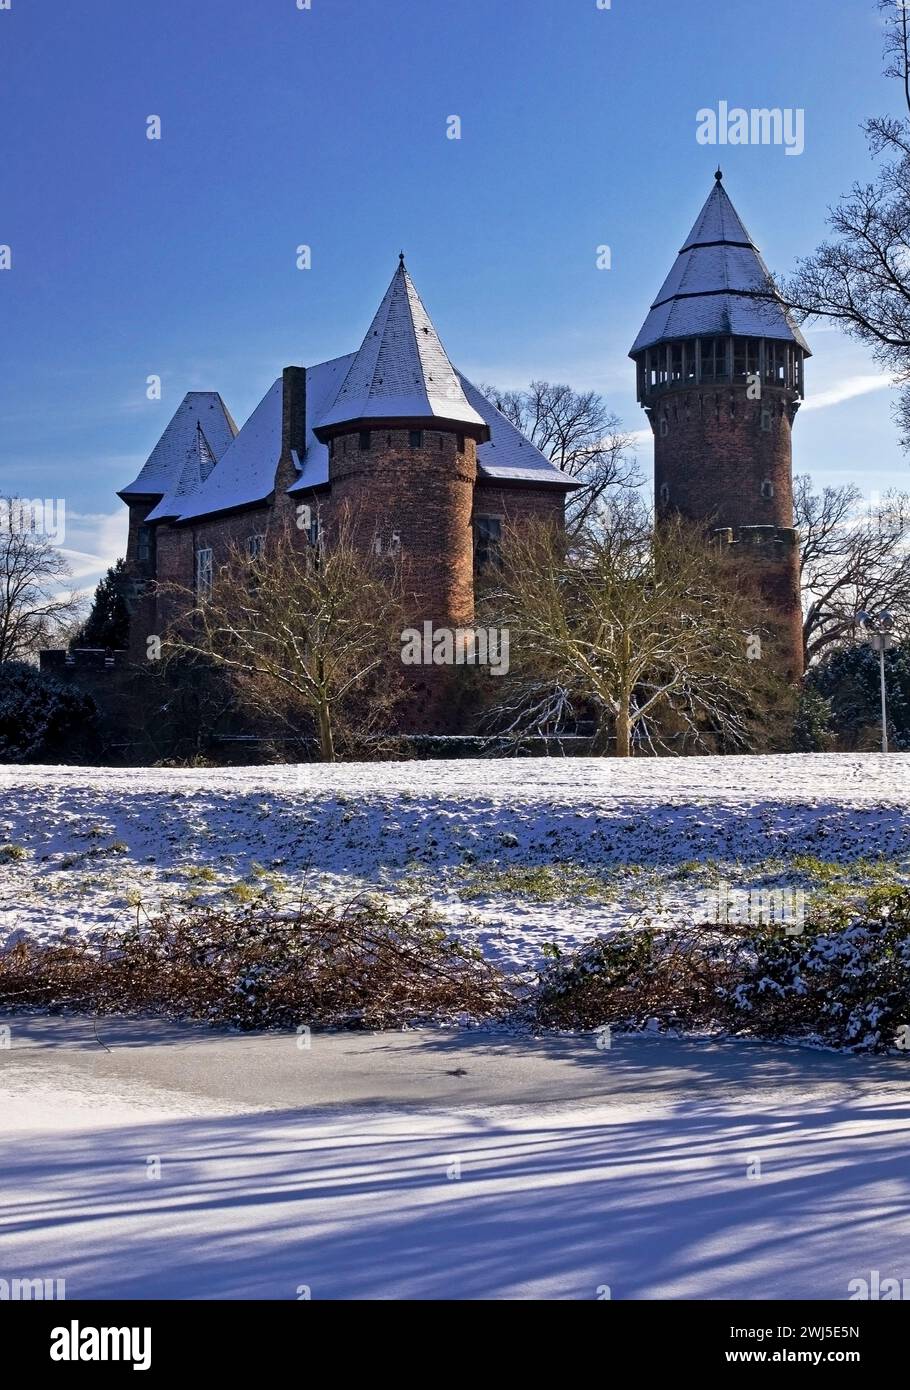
[(327, 126)]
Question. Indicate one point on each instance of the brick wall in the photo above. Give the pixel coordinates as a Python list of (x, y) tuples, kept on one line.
[(713, 456), (723, 458), (423, 496), (520, 503)]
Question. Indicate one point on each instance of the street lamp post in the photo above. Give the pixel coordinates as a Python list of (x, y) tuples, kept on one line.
[(879, 627)]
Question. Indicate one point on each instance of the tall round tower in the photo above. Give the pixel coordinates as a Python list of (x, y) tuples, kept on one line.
[(402, 440), (720, 377)]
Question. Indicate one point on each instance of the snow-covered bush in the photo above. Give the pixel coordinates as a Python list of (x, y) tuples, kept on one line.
[(680, 978), (42, 720), (843, 981)]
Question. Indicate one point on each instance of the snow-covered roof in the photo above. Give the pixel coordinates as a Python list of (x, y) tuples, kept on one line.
[(202, 483), (199, 463), (718, 285), (401, 370), (167, 460), (508, 454), (245, 475), (322, 383), (246, 472)]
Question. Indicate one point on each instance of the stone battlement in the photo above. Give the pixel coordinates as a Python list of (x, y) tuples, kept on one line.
[(58, 661)]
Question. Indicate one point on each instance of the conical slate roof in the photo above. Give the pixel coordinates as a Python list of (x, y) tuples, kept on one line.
[(401, 371), (197, 466), (717, 285), (161, 471)]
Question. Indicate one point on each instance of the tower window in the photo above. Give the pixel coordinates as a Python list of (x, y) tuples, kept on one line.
[(657, 369), (745, 358), (255, 545), (487, 542), (145, 545), (364, 439), (664, 493), (713, 359), (664, 426), (767, 488), (766, 420), (204, 571), (415, 439), (461, 443)]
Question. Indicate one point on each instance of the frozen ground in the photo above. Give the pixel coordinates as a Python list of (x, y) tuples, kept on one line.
[(81, 847), (164, 1162)]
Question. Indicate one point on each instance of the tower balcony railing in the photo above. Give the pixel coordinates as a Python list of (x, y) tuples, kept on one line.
[(720, 361)]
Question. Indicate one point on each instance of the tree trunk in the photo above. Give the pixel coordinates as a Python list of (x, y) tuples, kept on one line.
[(326, 741), (624, 699), (623, 728)]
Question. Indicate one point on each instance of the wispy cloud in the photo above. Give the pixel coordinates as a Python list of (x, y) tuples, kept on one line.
[(845, 390), (93, 541)]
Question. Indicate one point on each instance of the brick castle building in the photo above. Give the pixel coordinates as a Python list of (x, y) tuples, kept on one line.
[(720, 377), (427, 465), (434, 471)]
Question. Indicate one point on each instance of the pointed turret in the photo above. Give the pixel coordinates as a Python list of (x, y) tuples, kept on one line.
[(165, 463), (401, 374), (720, 376), (198, 464), (719, 285)]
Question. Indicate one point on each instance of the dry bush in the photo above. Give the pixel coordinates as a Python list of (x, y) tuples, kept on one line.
[(681, 977), (362, 966)]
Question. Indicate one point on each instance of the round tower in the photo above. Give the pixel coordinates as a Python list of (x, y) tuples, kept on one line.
[(402, 441), (720, 377)]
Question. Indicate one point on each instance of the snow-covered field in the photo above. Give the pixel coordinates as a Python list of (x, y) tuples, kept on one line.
[(81, 847)]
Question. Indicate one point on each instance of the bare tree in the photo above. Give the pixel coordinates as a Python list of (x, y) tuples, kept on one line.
[(649, 630), (35, 608), (861, 280), (577, 432), (851, 559), (306, 631)]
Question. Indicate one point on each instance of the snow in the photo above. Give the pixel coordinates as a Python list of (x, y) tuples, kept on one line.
[(401, 369), (507, 454), (200, 461), (246, 473), (718, 221), (166, 461), (438, 1164), (96, 840), (712, 286), (660, 1185), (322, 383)]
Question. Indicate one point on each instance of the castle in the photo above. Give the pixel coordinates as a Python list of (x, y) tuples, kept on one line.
[(392, 432), (434, 471)]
